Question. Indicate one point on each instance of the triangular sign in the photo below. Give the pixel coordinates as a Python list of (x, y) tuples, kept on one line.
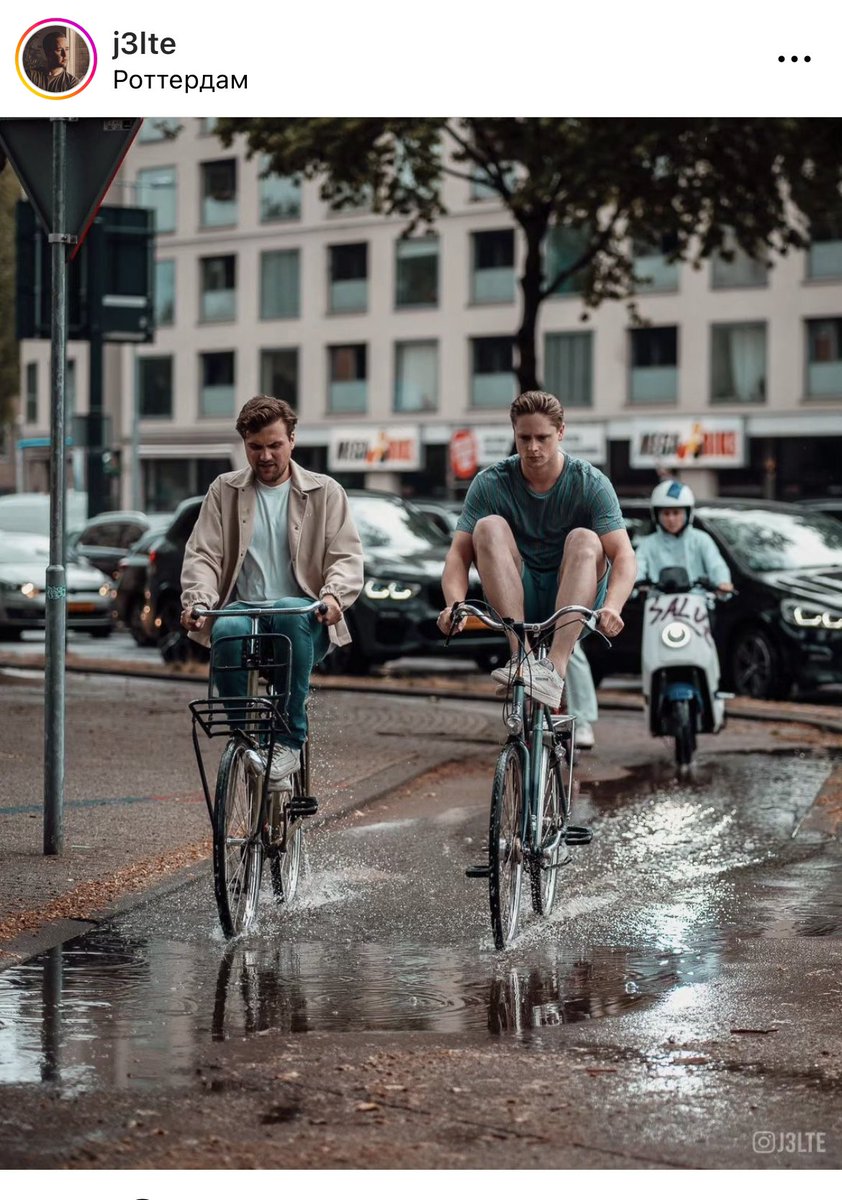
[(96, 146)]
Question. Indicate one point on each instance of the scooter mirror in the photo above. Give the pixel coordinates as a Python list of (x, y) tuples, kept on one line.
[(674, 579)]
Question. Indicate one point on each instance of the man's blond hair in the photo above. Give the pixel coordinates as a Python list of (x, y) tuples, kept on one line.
[(537, 402)]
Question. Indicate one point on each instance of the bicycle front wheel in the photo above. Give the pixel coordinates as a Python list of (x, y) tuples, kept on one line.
[(505, 846), (237, 841), (551, 850), (288, 844)]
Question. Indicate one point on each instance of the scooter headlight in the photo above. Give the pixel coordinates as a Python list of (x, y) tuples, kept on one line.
[(676, 635)]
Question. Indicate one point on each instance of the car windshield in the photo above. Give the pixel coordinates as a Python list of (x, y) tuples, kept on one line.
[(384, 524), (767, 540)]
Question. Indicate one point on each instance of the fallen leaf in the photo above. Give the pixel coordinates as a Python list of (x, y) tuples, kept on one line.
[(367, 1106)]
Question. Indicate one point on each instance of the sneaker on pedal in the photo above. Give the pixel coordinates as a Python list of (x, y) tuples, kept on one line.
[(507, 674), (285, 761), (584, 735)]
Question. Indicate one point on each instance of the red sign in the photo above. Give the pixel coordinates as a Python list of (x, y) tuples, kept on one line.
[(464, 454)]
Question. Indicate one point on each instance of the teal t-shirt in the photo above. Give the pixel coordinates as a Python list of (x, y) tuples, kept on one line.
[(581, 498)]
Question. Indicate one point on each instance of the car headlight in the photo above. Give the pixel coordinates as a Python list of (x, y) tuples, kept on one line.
[(29, 590), (676, 635), (808, 616), (390, 589), (105, 590)]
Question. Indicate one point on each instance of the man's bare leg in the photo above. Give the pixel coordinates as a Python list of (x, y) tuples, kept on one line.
[(581, 570), (498, 562)]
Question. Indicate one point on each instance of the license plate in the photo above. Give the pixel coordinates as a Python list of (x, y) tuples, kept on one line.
[(80, 606)]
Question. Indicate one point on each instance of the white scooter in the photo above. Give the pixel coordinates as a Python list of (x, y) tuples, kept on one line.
[(679, 663)]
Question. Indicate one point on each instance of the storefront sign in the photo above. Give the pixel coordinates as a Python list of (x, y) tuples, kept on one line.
[(585, 441), (688, 442), (374, 448), (464, 454)]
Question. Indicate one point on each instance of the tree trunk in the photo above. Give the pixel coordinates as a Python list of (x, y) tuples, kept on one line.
[(530, 285)]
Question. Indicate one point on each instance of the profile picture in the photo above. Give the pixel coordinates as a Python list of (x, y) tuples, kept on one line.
[(56, 59)]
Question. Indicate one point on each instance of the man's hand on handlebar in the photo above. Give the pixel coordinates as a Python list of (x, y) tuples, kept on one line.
[(333, 611), (189, 621), (609, 621), (447, 625)]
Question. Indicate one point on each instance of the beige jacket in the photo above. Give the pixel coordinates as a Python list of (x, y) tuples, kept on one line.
[(324, 544)]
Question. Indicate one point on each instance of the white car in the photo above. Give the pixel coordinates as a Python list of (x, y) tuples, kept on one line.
[(24, 559)]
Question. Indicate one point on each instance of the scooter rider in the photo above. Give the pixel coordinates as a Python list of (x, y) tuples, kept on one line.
[(676, 543)]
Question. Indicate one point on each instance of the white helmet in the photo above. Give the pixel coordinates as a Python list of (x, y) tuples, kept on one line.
[(672, 493)]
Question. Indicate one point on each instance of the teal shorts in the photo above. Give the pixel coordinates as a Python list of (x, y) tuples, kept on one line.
[(540, 589)]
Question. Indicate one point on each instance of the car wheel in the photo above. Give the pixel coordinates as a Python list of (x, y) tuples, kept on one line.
[(10, 634), (345, 660), (135, 625), (169, 616), (756, 667), (490, 660), (100, 633)]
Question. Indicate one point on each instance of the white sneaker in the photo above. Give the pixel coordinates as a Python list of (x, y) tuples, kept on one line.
[(285, 761), (543, 683), (584, 734), (508, 672)]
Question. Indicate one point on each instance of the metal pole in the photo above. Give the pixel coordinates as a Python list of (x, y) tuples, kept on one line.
[(56, 604)]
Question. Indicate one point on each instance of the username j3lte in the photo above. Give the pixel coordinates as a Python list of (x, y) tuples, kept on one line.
[(142, 43), (789, 1142)]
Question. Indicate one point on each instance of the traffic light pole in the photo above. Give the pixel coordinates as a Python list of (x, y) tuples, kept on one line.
[(56, 600), (95, 474)]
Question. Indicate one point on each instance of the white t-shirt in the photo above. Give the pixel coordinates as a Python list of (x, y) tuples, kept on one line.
[(266, 574)]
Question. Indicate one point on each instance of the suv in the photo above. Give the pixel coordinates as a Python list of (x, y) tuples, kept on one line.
[(395, 614), (784, 627)]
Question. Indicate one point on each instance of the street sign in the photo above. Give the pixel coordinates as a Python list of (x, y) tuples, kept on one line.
[(96, 147), (110, 285)]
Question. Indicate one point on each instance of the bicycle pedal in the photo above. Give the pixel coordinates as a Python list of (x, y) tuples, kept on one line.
[(302, 806), (479, 872), (578, 835)]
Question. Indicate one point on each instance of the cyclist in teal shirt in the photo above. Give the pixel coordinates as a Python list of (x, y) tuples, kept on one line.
[(545, 530)]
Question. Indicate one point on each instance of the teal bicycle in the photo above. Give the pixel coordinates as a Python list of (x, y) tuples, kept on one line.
[(529, 826)]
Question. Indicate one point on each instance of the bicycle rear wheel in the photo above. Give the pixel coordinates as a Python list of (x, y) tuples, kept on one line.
[(285, 864), (237, 842), (505, 845)]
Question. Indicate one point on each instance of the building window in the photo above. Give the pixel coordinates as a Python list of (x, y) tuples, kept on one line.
[(219, 288), (164, 291), (348, 379), (416, 376), (653, 270), (654, 365), (280, 197), (563, 247), (216, 395), (738, 363), (416, 272), (154, 387), (568, 368), (207, 125), (824, 257), (32, 393), (481, 189), (159, 129), (824, 357), (348, 277), (493, 260), (493, 383), (156, 189), (219, 192), (279, 283), (741, 271), (279, 374)]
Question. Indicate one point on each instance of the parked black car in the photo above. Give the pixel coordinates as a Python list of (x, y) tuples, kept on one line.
[(784, 628), (831, 506), (131, 579), (396, 612)]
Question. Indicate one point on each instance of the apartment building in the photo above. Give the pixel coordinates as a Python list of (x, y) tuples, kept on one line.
[(397, 352)]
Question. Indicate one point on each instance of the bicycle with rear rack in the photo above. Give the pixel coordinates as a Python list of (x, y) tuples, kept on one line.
[(254, 820), (531, 796)]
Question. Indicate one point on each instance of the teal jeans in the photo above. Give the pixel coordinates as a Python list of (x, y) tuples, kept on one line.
[(309, 641)]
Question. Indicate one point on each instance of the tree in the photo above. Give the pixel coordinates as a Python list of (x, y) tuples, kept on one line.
[(695, 186), (9, 347)]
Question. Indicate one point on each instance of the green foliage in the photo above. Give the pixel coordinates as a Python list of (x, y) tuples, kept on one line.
[(699, 185), (10, 193)]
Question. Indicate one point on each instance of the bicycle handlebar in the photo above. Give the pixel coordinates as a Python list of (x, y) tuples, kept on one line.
[(318, 606), (588, 614)]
